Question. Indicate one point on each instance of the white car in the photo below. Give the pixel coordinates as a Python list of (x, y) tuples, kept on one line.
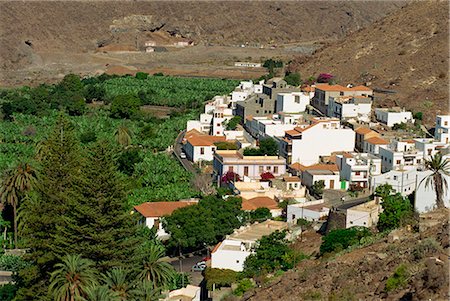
[(183, 155)]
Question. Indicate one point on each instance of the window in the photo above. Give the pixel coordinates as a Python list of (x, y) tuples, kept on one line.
[(156, 224), (202, 150), (293, 216), (257, 111), (245, 170), (395, 178), (341, 93), (218, 132), (230, 168), (237, 261), (357, 173), (269, 168), (275, 169), (399, 161), (297, 99), (265, 112), (429, 152), (351, 222), (445, 123), (218, 124), (418, 161), (261, 169)]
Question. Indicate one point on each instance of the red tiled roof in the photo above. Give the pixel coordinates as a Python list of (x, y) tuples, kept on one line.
[(327, 87), (377, 140), (291, 179), (259, 202), (158, 209), (206, 140), (363, 130), (216, 247)]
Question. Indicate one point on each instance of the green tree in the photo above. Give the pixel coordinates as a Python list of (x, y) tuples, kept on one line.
[(98, 293), (293, 79), (117, 280), (95, 93), (141, 75), (396, 210), (260, 214), (270, 255), (97, 225), (128, 159), (43, 212), (155, 269), (145, 291), (340, 239), (317, 187), (71, 277), (13, 188), (233, 123), (125, 106), (440, 168), (268, 146)]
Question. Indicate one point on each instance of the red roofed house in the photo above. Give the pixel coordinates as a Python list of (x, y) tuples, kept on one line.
[(199, 146), (262, 202), (363, 133), (372, 145), (152, 212), (323, 92)]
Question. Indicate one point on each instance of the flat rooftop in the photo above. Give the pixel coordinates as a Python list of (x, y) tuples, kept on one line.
[(257, 230)]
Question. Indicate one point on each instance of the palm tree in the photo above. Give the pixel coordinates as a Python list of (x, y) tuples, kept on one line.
[(439, 169), (98, 293), (14, 186), (71, 278), (146, 291), (123, 135), (116, 280), (155, 268)]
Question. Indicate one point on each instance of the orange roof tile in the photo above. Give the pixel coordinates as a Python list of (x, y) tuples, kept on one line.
[(291, 179), (249, 117), (377, 140), (293, 133), (158, 209), (297, 166), (216, 247), (259, 202), (308, 89), (409, 141), (363, 130), (327, 87), (330, 167), (204, 140)]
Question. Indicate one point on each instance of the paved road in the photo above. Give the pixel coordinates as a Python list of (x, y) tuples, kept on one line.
[(347, 204), (177, 149), (186, 265)]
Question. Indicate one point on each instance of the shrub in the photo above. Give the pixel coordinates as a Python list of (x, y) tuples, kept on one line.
[(418, 116), (141, 75), (397, 210), (8, 292), (317, 187), (260, 214), (398, 280), (265, 176), (125, 106), (400, 126), (338, 240), (293, 79), (425, 247), (243, 286), (219, 277), (88, 136), (303, 222), (230, 177), (325, 78), (233, 122), (225, 145)]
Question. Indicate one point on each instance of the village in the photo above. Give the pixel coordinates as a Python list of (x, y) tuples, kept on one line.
[(310, 154)]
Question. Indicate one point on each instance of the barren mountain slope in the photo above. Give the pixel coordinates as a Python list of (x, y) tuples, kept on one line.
[(362, 273), (407, 52), (74, 27)]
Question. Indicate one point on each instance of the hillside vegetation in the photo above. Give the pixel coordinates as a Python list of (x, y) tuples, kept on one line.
[(406, 52)]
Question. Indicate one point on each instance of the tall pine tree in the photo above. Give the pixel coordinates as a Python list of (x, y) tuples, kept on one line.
[(98, 225), (42, 214)]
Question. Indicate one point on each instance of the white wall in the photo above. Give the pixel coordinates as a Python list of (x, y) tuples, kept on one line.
[(317, 141), (426, 196), (297, 211), (293, 102), (391, 118), (229, 259), (401, 181), (362, 218), (308, 180), (150, 222), (442, 130)]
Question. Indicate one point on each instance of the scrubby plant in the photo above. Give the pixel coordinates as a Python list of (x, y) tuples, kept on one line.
[(398, 279)]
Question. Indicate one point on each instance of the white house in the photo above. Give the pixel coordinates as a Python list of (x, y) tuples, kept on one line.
[(311, 211), (429, 147), (357, 168), (244, 90), (348, 107), (402, 181), (393, 116), (329, 173), (372, 145), (200, 147), (247, 166), (426, 196), (232, 252), (442, 129), (321, 138), (153, 212), (292, 102), (400, 155), (270, 126), (365, 215)]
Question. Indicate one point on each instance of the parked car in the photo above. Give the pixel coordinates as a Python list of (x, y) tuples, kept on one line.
[(183, 155), (199, 267)]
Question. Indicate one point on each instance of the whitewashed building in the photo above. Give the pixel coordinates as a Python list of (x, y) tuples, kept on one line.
[(247, 166), (393, 116), (306, 144), (400, 155), (357, 168), (364, 215), (442, 129), (310, 211), (425, 199), (372, 145), (403, 181), (350, 107), (271, 126), (292, 102), (200, 147), (232, 252)]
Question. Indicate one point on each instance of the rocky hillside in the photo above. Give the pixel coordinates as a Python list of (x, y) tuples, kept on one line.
[(420, 260), (406, 52), (28, 27)]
